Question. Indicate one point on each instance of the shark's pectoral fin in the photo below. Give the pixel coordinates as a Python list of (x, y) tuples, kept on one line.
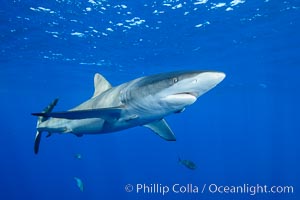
[(104, 113), (162, 129)]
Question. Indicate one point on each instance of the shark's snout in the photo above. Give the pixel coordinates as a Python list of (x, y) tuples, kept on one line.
[(219, 76), (205, 81), (211, 77)]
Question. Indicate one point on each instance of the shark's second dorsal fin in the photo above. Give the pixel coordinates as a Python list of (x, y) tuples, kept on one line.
[(100, 84)]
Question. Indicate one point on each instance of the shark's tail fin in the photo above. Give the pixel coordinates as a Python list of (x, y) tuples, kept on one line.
[(41, 119)]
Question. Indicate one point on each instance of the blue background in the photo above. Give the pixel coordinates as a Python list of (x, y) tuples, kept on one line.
[(245, 131)]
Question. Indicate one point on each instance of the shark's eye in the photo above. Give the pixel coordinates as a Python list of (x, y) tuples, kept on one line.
[(175, 80)]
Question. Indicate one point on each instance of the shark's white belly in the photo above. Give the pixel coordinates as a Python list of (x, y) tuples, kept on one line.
[(137, 114)]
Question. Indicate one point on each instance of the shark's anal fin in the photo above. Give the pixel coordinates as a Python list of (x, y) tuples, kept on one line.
[(104, 113), (180, 111), (162, 129), (49, 134), (78, 134)]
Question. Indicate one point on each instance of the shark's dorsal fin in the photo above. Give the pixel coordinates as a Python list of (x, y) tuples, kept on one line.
[(100, 84), (162, 129)]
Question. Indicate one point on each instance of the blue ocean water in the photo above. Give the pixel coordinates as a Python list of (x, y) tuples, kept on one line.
[(244, 132)]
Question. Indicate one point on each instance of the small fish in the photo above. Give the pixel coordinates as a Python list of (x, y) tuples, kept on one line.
[(187, 163), (79, 183), (78, 156)]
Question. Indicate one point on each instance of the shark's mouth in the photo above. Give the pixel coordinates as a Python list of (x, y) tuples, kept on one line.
[(185, 98), (186, 94)]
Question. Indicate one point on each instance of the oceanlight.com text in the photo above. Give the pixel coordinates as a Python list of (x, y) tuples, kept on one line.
[(249, 189)]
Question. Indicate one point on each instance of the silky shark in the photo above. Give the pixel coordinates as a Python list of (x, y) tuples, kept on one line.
[(145, 101)]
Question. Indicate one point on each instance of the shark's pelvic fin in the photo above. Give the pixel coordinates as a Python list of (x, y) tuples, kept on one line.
[(104, 113), (162, 129), (41, 119), (100, 84)]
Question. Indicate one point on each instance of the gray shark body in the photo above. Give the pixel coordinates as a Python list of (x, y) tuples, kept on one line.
[(142, 102)]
